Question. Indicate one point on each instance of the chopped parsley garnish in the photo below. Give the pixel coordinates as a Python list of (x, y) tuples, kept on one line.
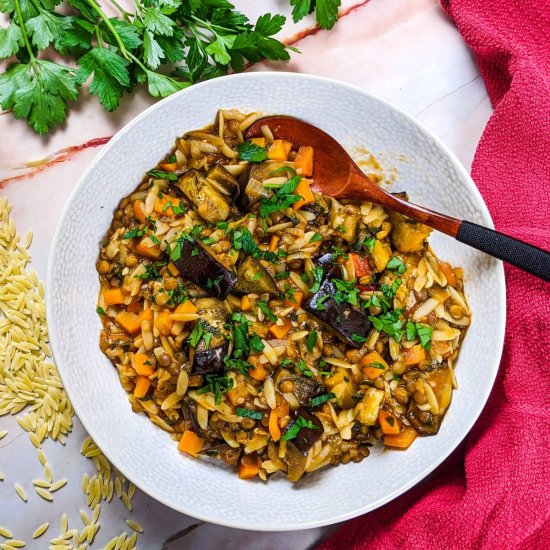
[(239, 365), (358, 338), (377, 365), (222, 225), (243, 240), (100, 310), (369, 243), (178, 209), (320, 305), (256, 345), (283, 198), (320, 399), (420, 331), (177, 296), (210, 283), (282, 275), (283, 169), (301, 366), (311, 340), (316, 238), (267, 312), (390, 323), (300, 423), (342, 228), (249, 413), (317, 273), (197, 333), (395, 264), (345, 292), (161, 174), (390, 291), (208, 241), (153, 238), (151, 271), (195, 251), (174, 251), (336, 252), (378, 301), (251, 152), (136, 232), (218, 385)]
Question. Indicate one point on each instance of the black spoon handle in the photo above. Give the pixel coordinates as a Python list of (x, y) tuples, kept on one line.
[(530, 258)]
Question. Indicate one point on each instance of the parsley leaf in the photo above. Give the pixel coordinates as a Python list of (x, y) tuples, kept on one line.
[(239, 365), (317, 273), (294, 429), (315, 238), (100, 310), (390, 323), (425, 334), (218, 385), (267, 312), (320, 399), (249, 413), (162, 175), (345, 292), (326, 11), (311, 340), (251, 152), (358, 338), (11, 39), (282, 199), (395, 264)]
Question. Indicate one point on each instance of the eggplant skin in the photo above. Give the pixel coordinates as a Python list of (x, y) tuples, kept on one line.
[(203, 267), (248, 280), (210, 361), (343, 319), (306, 437)]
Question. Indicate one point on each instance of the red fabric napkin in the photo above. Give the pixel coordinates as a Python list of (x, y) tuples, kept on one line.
[(494, 491)]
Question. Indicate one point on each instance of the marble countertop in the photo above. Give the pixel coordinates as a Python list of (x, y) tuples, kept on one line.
[(407, 51)]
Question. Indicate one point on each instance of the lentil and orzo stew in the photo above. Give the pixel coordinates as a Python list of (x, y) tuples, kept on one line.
[(266, 325)]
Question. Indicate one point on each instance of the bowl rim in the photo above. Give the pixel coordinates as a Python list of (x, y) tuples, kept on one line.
[(500, 298)]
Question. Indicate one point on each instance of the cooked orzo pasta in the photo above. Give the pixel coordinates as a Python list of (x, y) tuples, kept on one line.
[(269, 326)]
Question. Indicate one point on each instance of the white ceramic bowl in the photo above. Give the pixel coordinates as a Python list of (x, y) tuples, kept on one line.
[(428, 171)]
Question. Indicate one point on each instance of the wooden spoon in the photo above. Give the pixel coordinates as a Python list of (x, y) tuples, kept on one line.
[(336, 175)]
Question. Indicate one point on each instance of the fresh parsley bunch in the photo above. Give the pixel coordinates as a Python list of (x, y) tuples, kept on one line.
[(165, 44), (326, 11)]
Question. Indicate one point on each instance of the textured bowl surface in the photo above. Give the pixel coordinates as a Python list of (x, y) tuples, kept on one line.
[(143, 452)]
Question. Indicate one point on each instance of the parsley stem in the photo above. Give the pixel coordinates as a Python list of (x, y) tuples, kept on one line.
[(110, 26), (24, 32), (124, 13)]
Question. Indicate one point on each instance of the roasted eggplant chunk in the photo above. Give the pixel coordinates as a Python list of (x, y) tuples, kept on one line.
[(306, 437), (226, 183), (213, 315), (342, 318), (200, 267), (211, 205), (253, 277)]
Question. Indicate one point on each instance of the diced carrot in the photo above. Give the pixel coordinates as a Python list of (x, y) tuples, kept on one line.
[(187, 307), (168, 166), (402, 440), (361, 265), (305, 192), (273, 243), (246, 304), (145, 315), (142, 364), (190, 443), (164, 205), (413, 356), (295, 301), (259, 372), (248, 471), (258, 141), (113, 296), (142, 386), (134, 307), (274, 429), (172, 269), (146, 250), (388, 422), (163, 322), (139, 211), (128, 321), (280, 331), (304, 160), (279, 149), (372, 365), (450, 275)]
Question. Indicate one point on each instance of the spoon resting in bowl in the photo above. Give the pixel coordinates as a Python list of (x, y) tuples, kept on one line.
[(335, 174)]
